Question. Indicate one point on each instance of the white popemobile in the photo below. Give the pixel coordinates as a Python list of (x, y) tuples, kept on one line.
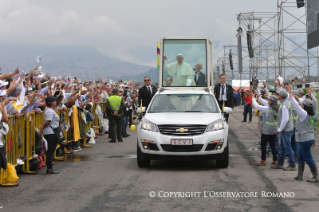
[(184, 121)]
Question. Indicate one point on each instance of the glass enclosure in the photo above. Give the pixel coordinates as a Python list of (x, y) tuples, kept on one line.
[(168, 103), (184, 63)]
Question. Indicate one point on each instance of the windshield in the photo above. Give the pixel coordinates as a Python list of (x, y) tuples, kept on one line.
[(168, 103), (184, 63)]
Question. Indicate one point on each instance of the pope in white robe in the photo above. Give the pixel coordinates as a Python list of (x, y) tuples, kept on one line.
[(182, 73)]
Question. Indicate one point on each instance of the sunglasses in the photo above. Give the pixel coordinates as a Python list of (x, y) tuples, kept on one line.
[(146, 80)]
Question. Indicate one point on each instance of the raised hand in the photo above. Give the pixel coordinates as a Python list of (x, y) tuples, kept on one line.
[(16, 71), (288, 88)]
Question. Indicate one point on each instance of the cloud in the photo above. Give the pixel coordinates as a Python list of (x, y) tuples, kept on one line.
[(29, 23), (124, 29)]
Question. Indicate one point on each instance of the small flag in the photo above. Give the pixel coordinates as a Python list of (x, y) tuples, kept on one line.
[(158, 55), (39, 58), (158, 62), (158, 49)]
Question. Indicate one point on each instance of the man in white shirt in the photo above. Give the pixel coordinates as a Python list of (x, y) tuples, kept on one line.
[(285, 129), (224, 94)]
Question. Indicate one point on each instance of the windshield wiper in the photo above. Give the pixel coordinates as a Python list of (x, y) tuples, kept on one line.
[(195, 111)]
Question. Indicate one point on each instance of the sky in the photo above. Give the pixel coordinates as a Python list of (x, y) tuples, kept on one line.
[(124, 29)]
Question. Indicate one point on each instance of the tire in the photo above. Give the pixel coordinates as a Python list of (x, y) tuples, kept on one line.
[(224, 163), (140, 162)]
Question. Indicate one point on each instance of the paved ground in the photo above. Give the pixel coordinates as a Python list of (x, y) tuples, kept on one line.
[(106, 178)]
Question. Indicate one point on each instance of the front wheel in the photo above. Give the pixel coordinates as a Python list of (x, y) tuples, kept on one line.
[(224, 163), (141, 162)]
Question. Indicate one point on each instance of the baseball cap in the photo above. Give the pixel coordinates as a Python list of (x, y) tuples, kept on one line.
[(300, 90), (294, 92), (121, 90), (283, 93), (272, 98), (50, 99), (308, 102), (3, 83)]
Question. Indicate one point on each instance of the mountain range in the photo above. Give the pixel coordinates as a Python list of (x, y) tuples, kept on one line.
[(82, 61)]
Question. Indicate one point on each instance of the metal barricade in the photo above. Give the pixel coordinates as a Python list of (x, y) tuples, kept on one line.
[(29, 142), (12, 143), (96, 122), (65, 126), (12, 150)]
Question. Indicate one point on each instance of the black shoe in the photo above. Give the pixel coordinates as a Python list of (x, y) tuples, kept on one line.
[(52, 172), (112, 141), (243, 121), (126, 135), (120, 140)]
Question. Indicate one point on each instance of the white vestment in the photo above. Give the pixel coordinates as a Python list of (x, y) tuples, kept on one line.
[(182, 74)]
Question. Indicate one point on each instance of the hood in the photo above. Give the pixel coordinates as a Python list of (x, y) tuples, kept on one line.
[(182, 118)]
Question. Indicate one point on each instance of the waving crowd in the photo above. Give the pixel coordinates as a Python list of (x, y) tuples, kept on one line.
[(22, 93), (288, 120)]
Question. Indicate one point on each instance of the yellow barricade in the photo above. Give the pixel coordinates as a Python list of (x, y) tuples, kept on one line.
[(20, 139), (95, 122), (30, 145), (65, 126), (12, 149), (12, 145), (103, 106)]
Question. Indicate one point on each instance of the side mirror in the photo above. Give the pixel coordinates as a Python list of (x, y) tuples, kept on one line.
[(139, 110), (228, 110)]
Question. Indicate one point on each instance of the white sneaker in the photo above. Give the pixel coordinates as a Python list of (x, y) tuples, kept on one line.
[(20, 162)]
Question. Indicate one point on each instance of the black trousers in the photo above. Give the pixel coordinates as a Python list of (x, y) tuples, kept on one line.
[(272, 143), (248, 109), (116, 127), (130, 117), (3, 158), (52, 142), (226, 115)]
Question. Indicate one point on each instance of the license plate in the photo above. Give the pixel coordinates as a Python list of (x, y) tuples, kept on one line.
[(182, 141)]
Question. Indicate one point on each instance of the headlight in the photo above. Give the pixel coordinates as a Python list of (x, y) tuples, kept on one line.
[(147, 125), (216, 125)]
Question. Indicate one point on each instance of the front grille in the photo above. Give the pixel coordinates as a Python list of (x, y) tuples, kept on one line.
[(210, 147), (192, 130), (180, 148), (153, 147)]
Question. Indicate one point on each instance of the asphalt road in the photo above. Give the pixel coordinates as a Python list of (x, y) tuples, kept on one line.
[(107, 178)]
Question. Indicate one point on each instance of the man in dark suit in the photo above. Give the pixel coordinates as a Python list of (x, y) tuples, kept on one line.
[(146, 92), (224, 93), (200, 77)]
